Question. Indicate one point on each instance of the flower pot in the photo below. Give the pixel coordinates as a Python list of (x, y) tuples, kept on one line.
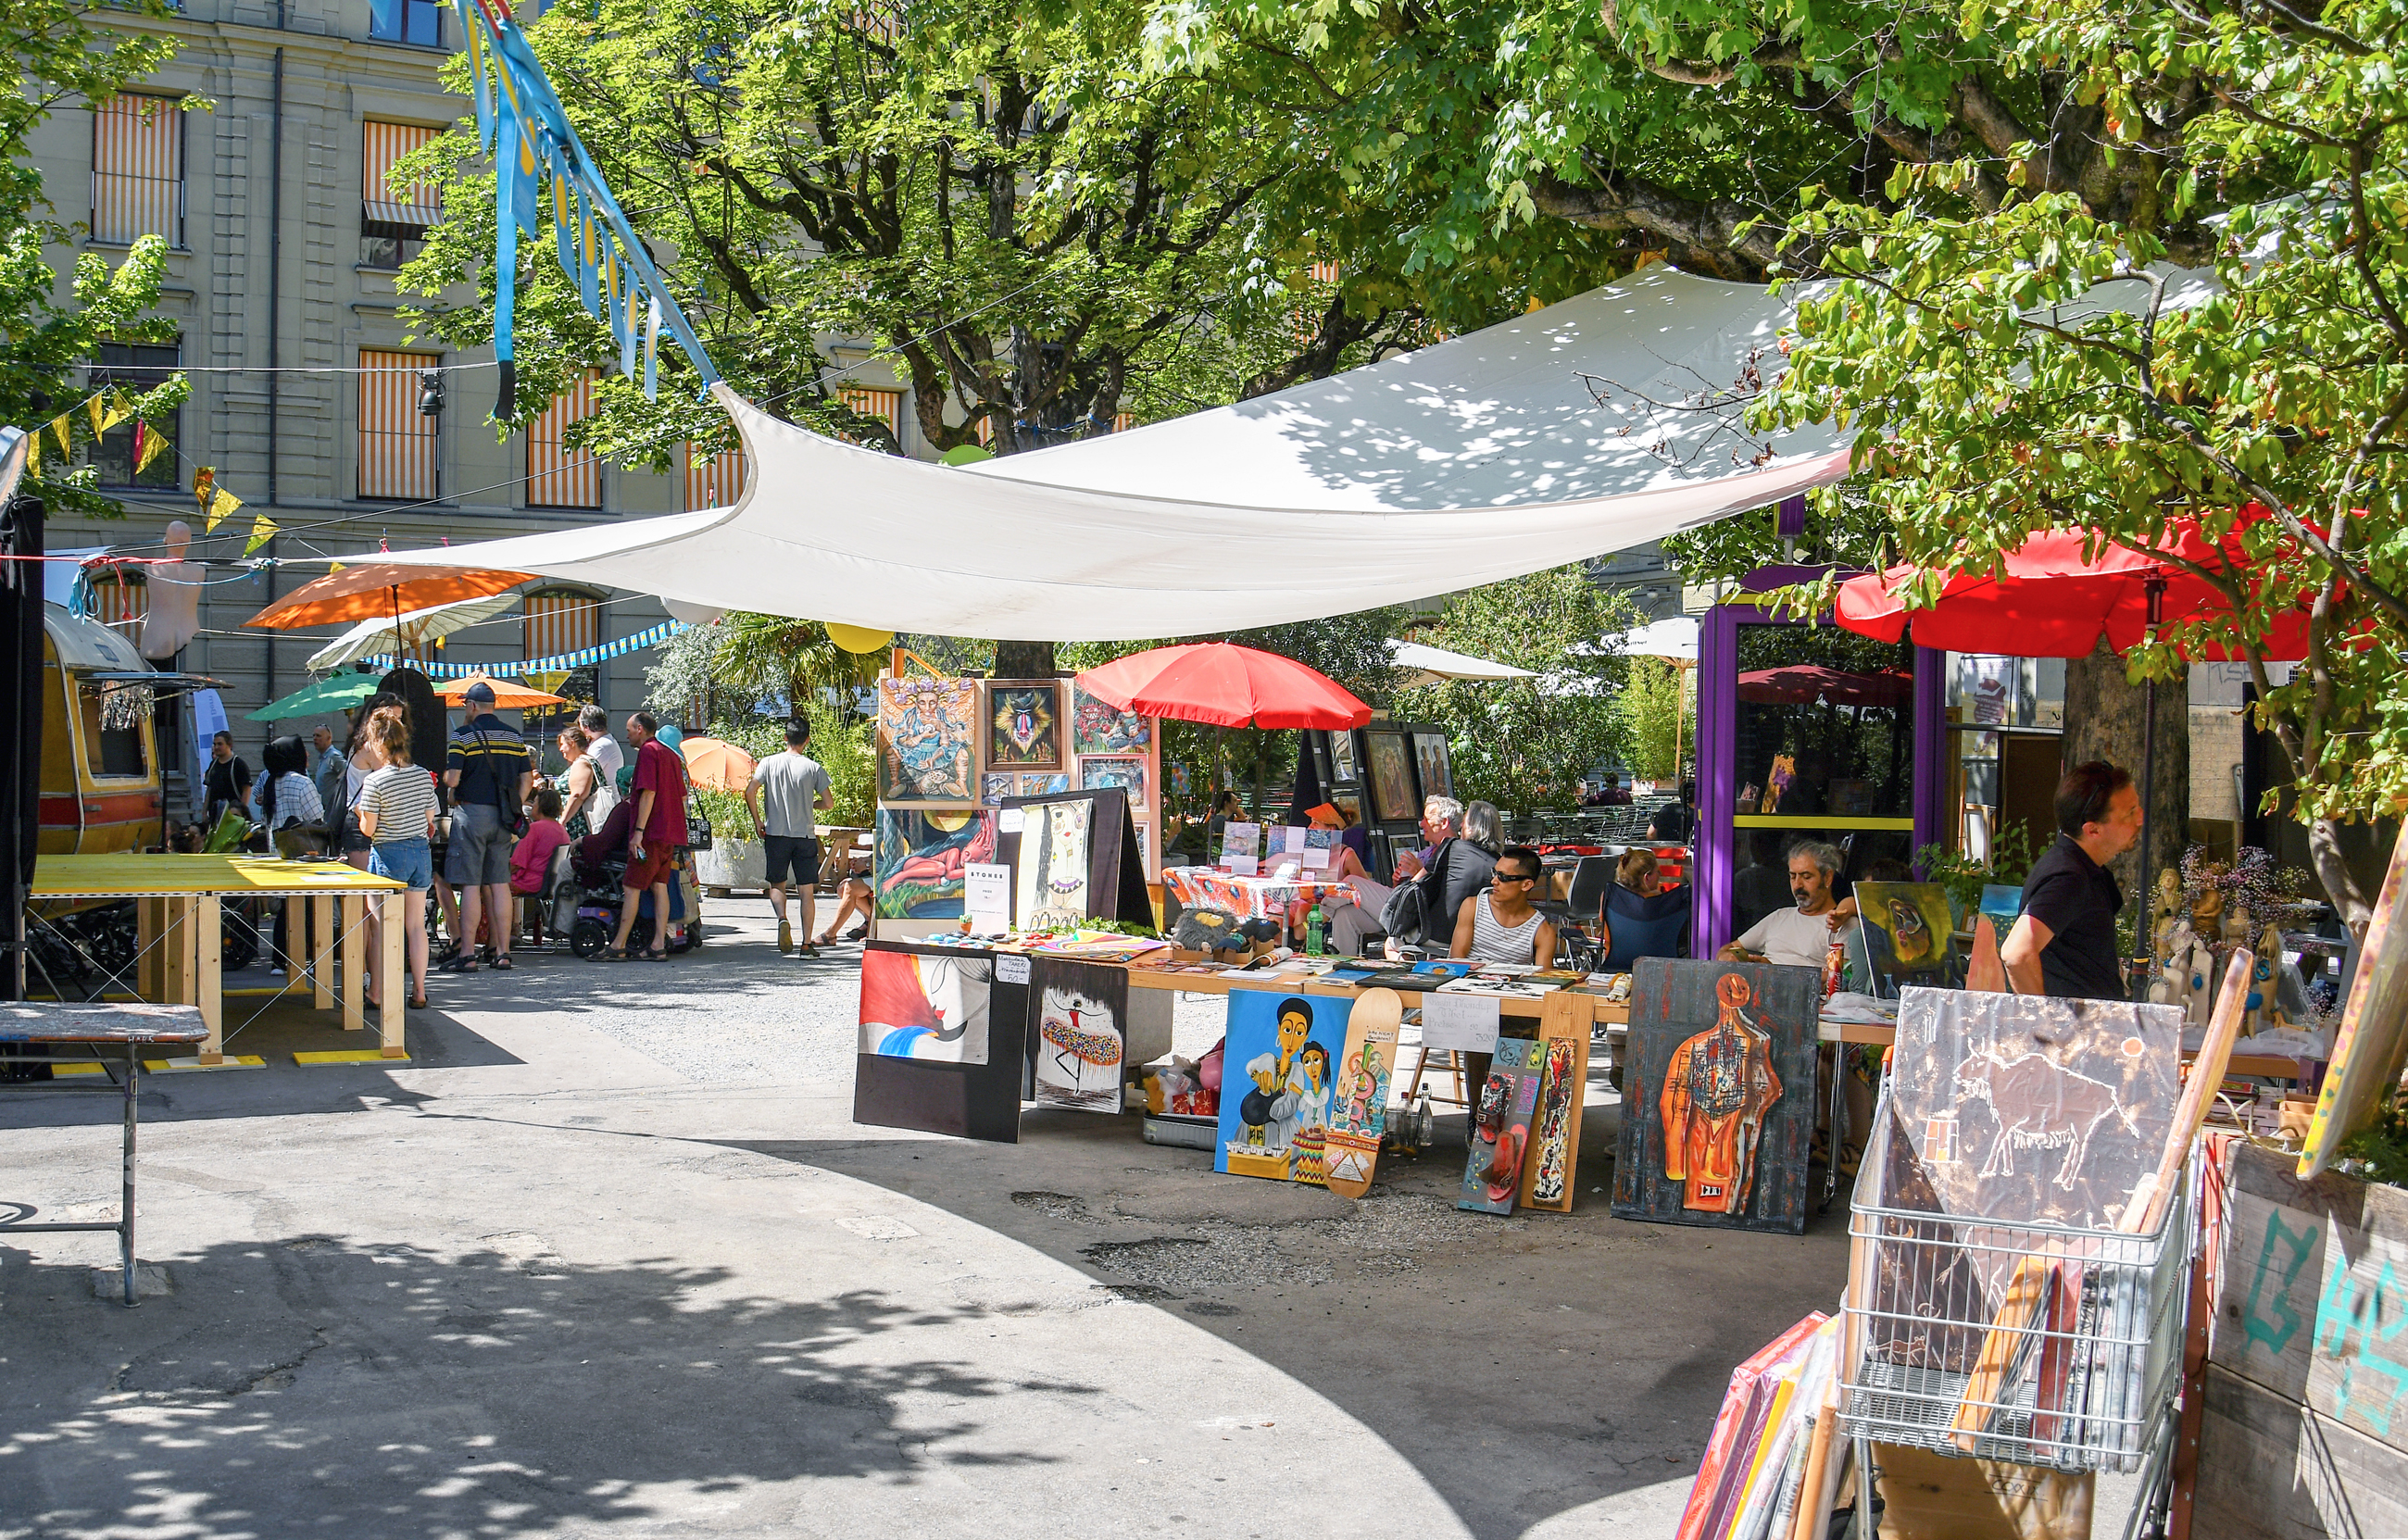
[(732, 863)]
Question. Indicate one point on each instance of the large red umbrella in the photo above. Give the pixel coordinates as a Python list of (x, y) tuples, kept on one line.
[(1224, 685), (2053, 600)]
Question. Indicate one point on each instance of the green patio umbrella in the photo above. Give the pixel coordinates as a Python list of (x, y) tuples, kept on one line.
[(326, 695)]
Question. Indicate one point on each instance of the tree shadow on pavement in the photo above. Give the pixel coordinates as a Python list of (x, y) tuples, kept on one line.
[(391, 1392)]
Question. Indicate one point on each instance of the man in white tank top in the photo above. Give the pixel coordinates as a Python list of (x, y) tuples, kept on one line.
[(1503, 925)]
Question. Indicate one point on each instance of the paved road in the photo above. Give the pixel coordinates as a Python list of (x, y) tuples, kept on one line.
[(610, 1258)]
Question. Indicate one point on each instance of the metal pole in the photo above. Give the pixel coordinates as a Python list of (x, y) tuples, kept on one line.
[(125, 1230), (2142, 940)]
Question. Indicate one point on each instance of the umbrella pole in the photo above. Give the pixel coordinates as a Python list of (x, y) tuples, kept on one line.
[(2142, 942)]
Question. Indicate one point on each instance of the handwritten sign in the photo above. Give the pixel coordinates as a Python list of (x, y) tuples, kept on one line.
[(1463, 1022)]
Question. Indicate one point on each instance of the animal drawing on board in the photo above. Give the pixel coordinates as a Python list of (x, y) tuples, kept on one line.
[(1079, 1042), (918, 1006), (921, 857), (1716, 1094), (925, 746), (1054, 844), (1287, 1047), (2028, 1110), (1096, 728), (1023, 726)]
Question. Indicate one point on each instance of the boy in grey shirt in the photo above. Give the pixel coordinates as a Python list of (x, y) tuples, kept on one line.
[(794, 787)]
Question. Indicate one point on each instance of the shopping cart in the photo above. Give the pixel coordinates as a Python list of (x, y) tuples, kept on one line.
[(2032, 1344)]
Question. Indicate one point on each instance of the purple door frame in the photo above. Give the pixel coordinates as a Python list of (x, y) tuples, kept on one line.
[(1717, 835)]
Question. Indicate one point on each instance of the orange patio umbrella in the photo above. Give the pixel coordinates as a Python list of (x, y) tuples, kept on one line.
[(709, 761), (506, 696), (380, 588)]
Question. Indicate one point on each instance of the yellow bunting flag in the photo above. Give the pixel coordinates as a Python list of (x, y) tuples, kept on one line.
[(34, 453), (59, 426), (148, 445), (334, 568), (108, 413), (99, 407), (263, 529), (221, 503)]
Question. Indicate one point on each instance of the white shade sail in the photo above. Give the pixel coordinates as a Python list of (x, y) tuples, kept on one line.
[(1479, 458), (1424, 664), (418, 627), (1674, 638)]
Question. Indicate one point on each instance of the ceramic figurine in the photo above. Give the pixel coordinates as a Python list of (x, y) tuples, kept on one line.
[(2171, 987), (2198, 998), (2166, 916)]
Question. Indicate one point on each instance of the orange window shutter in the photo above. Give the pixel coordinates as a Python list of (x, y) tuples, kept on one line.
[(399, 445), (559, 476), (138, 169)]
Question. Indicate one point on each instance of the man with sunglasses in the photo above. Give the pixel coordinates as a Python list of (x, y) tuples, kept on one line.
[(1503, 925)]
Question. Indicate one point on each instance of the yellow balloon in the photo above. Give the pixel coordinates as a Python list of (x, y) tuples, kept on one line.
[(853, 638)]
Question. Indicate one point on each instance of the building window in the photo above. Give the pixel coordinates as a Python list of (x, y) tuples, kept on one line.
[(138, 169), (399, 444), (713, 482), (559, 476), (112, 730), (562, 621), (394, 223), (139, 367), (406, 21), (885, 406)]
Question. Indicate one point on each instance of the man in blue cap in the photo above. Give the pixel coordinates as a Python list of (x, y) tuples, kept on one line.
[(490, 773)]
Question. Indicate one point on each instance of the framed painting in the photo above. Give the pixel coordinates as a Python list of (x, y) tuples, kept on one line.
[(1096, 728), (927, 742), (1909, 935), (1342, 770), (995, 785), (1023, 724), (1392, 778), (918, 857), (1719, 1081), (1125, 771), (1043, 785), (1430, 760), (1349, 803)]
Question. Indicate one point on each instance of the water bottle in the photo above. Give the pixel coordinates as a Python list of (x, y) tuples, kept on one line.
[(1312, 932)]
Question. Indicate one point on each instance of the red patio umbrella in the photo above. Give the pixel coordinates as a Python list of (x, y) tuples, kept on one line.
[(1806, 684), (2055, 601), (1224, 685)]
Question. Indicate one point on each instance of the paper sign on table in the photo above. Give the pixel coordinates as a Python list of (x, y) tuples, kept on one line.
[(1241, 866), (986, 896), (1009, 968), (1010, 821), (1464, 1022)]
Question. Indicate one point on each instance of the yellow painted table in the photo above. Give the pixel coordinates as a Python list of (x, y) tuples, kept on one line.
[(180, 900)]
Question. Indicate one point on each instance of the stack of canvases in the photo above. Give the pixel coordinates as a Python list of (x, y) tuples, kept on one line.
[(2012, 1312), (950, 751)]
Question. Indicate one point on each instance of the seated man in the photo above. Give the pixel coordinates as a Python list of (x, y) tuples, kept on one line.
[(1800, 936), (852, 898), (1353, 908)]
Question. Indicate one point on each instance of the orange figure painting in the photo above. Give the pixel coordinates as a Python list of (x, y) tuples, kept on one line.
[(1716, 1091)]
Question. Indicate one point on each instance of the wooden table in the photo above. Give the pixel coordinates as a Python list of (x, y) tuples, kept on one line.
[(181, 900), (1222, 983), (127, 1029)]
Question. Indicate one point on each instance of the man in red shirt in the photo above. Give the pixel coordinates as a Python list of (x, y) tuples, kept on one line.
[(654, 837)]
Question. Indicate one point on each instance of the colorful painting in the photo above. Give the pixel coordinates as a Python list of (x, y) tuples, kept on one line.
[(1096, 728), (1341, 758), (1349, 803), (1080, 1012), (1126, 771), (1719, 1080), (1430, 758), (1392, 778), (2028, 1110), (1562, 1080), (927, 741), (918, 857), (1283, 1050), (994, 788), (1056, 842), (917, 1007), (1024, 725), (1042, 786), (1909, 933), (1500, 1128)]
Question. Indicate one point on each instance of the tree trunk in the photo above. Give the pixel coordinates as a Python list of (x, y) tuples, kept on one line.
[(1024, 660), (2103, 720)]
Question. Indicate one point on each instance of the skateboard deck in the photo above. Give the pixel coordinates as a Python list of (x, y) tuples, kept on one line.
[(2373, 1036), (1359, 1109), (1500, 1128), (1548, 1175)]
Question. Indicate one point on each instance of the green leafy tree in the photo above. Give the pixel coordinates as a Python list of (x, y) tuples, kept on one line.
[(1526, 744), (1660, 729), (69, 55)]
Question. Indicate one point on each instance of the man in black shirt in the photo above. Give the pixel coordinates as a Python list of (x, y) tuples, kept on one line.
[(2064, 944)]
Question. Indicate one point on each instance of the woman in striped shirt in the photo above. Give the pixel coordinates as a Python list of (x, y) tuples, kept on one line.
[(396, 810)]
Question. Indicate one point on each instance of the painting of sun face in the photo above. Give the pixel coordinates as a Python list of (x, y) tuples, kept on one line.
[(1024, 724)]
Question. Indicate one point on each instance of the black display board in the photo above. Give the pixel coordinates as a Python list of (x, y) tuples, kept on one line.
[(935, 1095), (1115, 871)]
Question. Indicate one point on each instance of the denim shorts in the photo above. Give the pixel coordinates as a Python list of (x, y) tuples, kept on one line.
[(408, 861)]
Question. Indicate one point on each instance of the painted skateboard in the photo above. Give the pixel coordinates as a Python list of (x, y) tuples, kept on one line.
[(1500, 1128), (2374, 1028), (1358, 1110), (1547, 1174)]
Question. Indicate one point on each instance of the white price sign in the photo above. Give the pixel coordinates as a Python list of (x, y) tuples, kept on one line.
[(986, 894)]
